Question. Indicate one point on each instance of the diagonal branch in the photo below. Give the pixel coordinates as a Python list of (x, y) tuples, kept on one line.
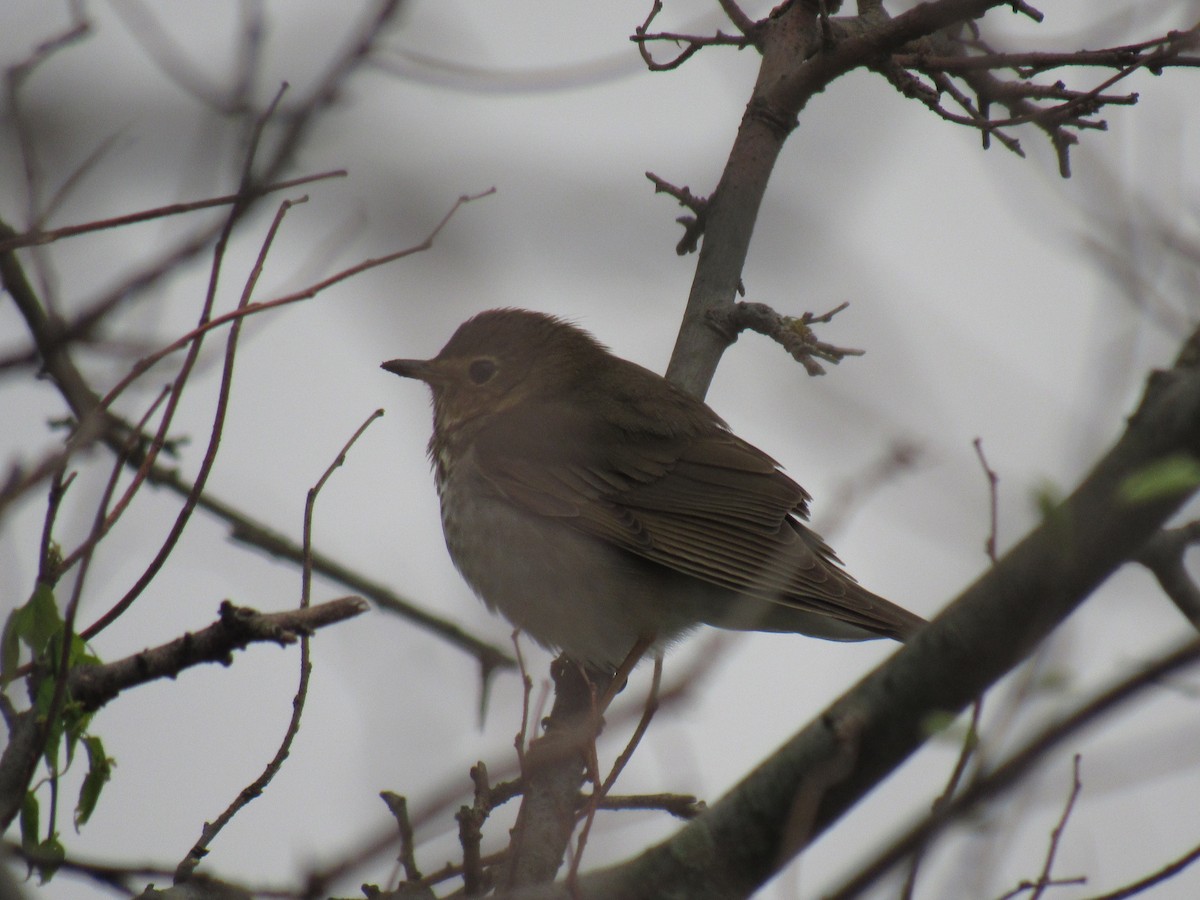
[(794, 69), (799, 792), (994, 783), (236, 629)]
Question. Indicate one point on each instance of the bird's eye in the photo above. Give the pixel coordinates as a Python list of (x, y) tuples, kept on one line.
[(482, 370)]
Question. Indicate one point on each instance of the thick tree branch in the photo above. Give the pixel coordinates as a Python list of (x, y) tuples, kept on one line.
[(994, 783), (552, 773), (796, 794)]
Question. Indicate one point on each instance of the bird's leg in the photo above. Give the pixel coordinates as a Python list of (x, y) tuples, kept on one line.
[(600, 790), (621, 676)]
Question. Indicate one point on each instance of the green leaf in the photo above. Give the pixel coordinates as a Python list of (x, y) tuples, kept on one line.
[(76, 730), (50, 853), (75, 722), (33, 625), (81, 653), (54, 730), (10, 648), (99, 773), (937, 722), (29, 820), (43, 621), (1046, 498), (1169, 477)]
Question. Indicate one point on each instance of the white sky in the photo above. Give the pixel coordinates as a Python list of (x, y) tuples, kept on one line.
[(972, 289)]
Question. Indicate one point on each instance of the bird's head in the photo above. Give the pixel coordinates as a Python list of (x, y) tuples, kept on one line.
[(500, 359)]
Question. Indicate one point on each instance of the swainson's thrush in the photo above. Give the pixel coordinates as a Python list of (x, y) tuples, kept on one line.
[(595, 504)]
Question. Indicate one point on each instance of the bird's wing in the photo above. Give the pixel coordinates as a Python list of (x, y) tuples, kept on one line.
[(707, 504)]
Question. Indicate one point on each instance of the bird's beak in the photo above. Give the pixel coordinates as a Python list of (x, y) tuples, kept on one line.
[(421, 369)]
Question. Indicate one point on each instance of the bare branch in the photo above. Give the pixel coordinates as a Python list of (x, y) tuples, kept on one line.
[(1045, 879), (470, 831), (23, 478), (116, 877), (693, 226), (177, 388), (694, 43), (398, 807), (738, 17), (171, 59), (1163, 555), (1058, 110), (790, 332), (249, 531), (965, 754), (601, 791), (186, 869), (993, 482), (40, 237), (552, 774), (236, 629), (88, 407), (1020, 763), (1170, 870), (15, 77), (681, 806)]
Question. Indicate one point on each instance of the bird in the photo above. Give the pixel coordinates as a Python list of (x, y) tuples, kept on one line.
[(599, 507)]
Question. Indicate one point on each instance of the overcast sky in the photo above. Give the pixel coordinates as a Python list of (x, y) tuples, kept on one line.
[(993, 299)]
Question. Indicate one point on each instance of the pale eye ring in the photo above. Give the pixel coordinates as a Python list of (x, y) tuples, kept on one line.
[(481, 371)]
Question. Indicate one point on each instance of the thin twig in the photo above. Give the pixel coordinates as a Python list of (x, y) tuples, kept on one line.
[(22, 479), (600, 790), (470, 831), (681, 806), (192, 341), (252, 533), (398, 806), (993, 482), (965, 754), (790, 332), (15, 77), (254, 192), (62, 669), (521, 742), (741, 21), (1170, 870), (682, 686), (206, 464), (693, 225), (187, 866), (1045, 878), (1163, 555), (249, 309), (648, 711)]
